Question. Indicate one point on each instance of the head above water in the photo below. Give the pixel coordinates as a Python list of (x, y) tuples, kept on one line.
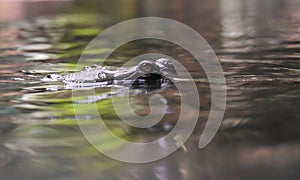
[(146, 69)]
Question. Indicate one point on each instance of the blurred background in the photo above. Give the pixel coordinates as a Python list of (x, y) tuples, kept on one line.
[(257, 42)]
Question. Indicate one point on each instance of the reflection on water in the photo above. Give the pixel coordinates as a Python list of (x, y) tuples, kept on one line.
[(13, 10), (256, 41)]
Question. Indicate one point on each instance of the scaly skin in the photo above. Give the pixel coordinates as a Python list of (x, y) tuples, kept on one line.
[(160, 69)]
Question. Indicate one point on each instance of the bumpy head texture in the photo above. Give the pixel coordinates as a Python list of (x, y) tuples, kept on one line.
[(161, 68)]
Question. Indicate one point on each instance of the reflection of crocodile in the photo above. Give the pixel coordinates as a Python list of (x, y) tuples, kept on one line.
[(146, 72)]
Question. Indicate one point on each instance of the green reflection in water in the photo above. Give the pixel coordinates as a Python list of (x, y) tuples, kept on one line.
[(63, 124), (77, 20), (85, 32)]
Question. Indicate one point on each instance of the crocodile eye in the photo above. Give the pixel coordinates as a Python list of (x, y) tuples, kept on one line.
[(102, 76), (146, 67), (49, 76)]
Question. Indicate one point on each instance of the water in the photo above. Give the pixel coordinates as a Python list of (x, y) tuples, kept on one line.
[(257, 42)]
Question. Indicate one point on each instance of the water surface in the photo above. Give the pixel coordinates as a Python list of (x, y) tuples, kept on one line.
[(257, 42)]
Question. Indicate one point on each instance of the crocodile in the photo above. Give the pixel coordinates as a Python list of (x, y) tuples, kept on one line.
[(144, 73)]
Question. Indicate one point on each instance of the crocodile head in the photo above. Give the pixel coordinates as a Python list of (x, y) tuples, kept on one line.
[(147, 72), (154, 73)]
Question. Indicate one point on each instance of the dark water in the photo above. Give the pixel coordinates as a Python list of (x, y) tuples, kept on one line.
[(257, 42)]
